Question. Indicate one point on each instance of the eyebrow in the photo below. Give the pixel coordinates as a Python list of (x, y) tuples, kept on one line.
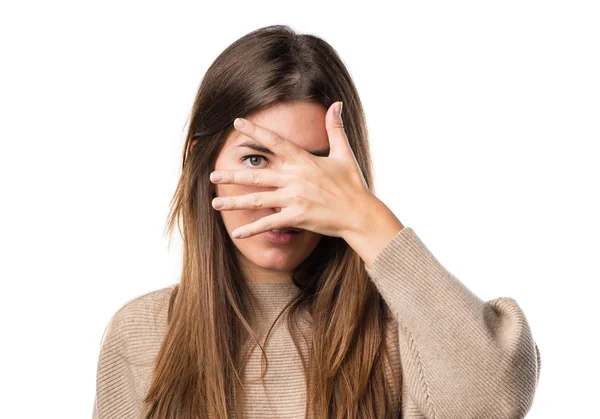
[(321, 153)]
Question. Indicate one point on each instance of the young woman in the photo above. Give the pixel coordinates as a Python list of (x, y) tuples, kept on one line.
[(347, 316)]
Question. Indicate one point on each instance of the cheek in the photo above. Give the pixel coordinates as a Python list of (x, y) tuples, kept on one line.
[(313, 238), (234, 190), (237, 218)]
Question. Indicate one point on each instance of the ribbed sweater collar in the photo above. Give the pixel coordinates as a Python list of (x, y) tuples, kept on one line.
[(273, 296)]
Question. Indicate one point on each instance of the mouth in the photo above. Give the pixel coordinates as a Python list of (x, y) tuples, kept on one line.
[(287, 229), (292, 229)]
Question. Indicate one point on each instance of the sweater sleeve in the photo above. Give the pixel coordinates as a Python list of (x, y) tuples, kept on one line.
[(462, 357), (115, 390)]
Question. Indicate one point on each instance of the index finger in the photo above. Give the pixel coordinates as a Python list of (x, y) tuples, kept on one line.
[(273, 143)]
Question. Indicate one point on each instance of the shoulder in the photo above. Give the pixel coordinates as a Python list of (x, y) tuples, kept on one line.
[(139, 322), (145, 304)]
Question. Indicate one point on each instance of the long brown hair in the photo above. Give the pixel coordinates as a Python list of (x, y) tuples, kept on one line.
[(198, 371)]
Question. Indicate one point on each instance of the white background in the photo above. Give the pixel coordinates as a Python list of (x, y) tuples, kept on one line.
[(484, 124)]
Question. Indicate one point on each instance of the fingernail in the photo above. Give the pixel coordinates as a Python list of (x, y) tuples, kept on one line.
[(217, 204), (215, 177), (239, 123), (237, 234), (339, 109)]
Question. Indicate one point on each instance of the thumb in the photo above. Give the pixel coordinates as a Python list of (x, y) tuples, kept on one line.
[(338, 140)]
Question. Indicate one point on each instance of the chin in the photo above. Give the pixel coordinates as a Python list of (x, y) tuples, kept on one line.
[(283, 261), (286, 258)]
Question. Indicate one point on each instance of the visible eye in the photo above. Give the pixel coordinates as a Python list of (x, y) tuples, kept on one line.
[(245, 158)]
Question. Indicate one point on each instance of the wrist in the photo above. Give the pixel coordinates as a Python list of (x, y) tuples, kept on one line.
[(374, 226)]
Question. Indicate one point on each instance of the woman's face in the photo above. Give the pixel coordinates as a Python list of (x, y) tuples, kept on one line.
[(302, 123)]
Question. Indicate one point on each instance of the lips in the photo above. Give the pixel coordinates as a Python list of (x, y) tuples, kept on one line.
[(295, 230)]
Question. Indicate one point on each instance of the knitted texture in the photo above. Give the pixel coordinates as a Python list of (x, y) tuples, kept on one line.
[(453, 355)]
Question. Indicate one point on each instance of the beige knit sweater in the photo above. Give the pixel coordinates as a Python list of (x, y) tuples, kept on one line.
[(456, 356)]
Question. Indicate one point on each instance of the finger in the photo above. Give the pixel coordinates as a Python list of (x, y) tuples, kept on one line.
[(338, 140), (253, 177), (279, 220), (270, 140), (272, 199)]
